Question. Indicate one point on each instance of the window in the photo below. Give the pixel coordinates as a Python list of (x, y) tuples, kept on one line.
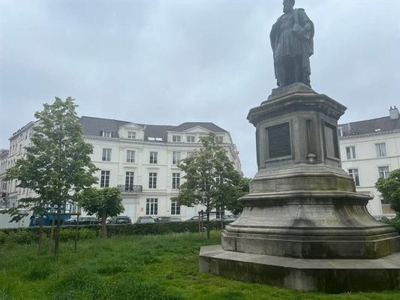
[(152, 180), (176, 180), (129, 180), (354, 173), (151, 206), (383, 172), (176, 138), (106, 133), (340, 131), (351, 152), (106, 154), (190, 138), (131, 135), (130, 156), (176, 157), (175, 208), (153, 157), (105, 179), (219, 139), (380, 149)]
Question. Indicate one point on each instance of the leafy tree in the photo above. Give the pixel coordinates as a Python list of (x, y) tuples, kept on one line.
[(238, 189), (209, 178), (57, 166), (103, 203), (390, 189)]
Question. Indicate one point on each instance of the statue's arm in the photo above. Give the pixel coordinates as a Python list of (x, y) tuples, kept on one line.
[(274, 34), (306, 28)]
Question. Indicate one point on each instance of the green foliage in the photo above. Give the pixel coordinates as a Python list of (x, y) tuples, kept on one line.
[(210, 176), (395, 223), (106, 202), (30, 235), (139, 267), (21, 236), (3, 237), (390, 189), (57, 166)]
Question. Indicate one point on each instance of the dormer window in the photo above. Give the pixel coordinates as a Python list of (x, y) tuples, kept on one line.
[(176, 138), (131, 135), (106, 133), (340, 131)]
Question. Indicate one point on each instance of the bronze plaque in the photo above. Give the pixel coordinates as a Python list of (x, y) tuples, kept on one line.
[(279, 140)]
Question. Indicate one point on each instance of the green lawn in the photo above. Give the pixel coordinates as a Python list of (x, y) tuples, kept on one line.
[(135, 267)]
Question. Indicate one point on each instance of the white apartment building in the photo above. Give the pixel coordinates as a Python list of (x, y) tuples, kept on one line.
[(371, 149), (18, 142), (141, 159), (3, 183)]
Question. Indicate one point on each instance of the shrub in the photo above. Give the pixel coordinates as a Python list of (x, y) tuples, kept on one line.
[(395, 223), (67, 234), (22, 236), (87, 233), (31, 234), (3, 237)]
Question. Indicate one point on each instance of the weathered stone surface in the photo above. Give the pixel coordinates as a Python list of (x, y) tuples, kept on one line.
[(323, 275), (303, 225)]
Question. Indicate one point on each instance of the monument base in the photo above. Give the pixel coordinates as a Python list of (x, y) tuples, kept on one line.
[(322, 275)]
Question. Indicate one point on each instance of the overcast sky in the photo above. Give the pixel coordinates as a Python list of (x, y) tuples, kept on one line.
[(172, 61)]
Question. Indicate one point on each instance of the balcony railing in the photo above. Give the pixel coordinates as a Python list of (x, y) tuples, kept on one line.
[(130, 188)]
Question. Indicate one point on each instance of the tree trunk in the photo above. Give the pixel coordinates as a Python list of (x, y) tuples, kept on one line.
[(208, 216), (103, 224), (57, 232)]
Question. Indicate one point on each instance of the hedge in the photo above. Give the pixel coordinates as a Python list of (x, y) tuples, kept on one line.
[(31, 234)]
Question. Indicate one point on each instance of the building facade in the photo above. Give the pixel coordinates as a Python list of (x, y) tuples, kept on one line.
[(371, 149), (140, 159), (18, 142)]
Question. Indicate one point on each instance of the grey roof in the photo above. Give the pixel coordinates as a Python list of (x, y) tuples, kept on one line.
[(373, 126), (207, 125), (94, 126)]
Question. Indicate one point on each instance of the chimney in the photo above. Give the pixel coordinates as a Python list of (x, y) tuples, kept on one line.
[(394, 113)]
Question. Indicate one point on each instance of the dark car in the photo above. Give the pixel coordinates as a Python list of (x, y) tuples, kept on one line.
[(193, 219), (120, 220), (168, 219), (145, 220), (229, 218), (82, 221)]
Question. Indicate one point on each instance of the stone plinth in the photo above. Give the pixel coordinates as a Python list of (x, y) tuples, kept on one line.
[(302, 207), (323, 275)]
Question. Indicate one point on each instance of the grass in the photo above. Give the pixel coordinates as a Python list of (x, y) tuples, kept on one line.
[(137, 267)]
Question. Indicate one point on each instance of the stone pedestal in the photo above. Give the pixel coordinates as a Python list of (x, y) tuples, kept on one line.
[(302, 205)]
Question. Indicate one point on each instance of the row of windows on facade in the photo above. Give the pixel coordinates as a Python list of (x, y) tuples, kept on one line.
[(379, 148), (383, 172), (129, 180), (130, 156), (175, 138), (14, 147), (152, 207)]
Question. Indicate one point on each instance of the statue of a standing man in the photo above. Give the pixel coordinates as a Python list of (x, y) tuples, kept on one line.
[(292, 44)]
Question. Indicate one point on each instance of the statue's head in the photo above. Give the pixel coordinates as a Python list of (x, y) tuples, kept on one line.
[(288, 5)]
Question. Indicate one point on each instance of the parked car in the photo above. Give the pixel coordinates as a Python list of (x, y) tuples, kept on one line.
[(229, 218), (82, 221), (162, 219), (145, 220), (168, 219), (120, 220), (193, 219)]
